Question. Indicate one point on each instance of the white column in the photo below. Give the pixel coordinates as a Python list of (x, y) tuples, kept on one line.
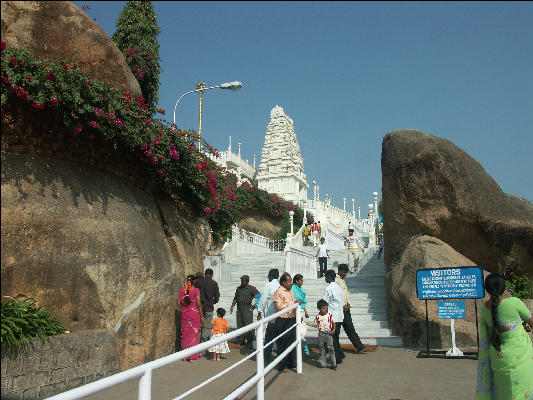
[(353, 209), (291, 217), (344, 206), (318, 192), (254, 161), (359, 213), (229, 147), (239, 150), (314, 190), (375, 194)]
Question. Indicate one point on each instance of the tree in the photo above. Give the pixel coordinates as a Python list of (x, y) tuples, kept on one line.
[(136, 37)]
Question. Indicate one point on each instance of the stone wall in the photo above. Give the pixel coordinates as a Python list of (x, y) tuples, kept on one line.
[(65, 362)]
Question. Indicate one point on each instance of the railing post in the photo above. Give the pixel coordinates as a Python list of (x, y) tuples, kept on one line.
[(299, 340), (260, 363), (145, 385)]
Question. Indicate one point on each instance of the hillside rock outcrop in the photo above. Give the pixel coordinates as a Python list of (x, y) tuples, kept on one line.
[(407, 314), (107, 254), (431, 186), (60, 30)]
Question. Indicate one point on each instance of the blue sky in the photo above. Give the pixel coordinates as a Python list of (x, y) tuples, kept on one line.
[(349, 72)]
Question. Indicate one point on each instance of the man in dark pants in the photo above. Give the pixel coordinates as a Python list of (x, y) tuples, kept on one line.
[(209, 295), (347, 323), (322, 254), (266, 309), (244, 296)]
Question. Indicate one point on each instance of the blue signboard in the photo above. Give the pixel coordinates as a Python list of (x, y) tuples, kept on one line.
[(451, 310), (450, 283)]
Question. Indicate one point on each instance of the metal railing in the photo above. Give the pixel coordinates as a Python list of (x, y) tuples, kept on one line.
[(144, 372)]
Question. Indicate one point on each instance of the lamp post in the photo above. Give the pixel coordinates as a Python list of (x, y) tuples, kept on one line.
[(344, 206), (353, 208), (291, 217), (375, 194), (200, 87)]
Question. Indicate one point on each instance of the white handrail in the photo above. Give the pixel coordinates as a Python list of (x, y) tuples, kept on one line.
[(145, 371)]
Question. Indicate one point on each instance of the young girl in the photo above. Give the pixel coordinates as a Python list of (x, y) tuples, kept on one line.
[(220, 327)]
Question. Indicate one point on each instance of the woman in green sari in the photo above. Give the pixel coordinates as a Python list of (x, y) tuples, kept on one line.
[(505, 360), (299, 295)]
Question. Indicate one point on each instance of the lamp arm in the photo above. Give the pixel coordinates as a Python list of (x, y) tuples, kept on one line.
[(189, 92)]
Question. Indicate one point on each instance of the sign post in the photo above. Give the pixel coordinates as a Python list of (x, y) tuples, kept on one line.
[(446, 284)]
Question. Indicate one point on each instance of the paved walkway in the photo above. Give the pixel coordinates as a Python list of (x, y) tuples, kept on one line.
[(385, 374)]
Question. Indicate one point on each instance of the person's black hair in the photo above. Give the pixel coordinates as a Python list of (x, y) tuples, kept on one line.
[(321, 303), (221, 312), (331, 274), (209, 272), (186, 299), (245, 278), (343, 267), (199, 275), (284, 277), (297, 277), (495, 286), (274, 273)]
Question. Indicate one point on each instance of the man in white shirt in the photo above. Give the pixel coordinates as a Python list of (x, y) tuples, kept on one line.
[(347, 323), (322, 254), (266, 308), (333, 296), (354, 245)]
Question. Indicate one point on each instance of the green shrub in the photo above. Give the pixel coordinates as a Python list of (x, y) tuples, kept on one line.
[(23, 321), (520, 286)]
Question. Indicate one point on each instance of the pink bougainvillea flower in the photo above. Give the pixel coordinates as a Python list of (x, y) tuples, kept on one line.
[(161, 171), (79, 128), (148, 153), (51, 77), (91, 136), (3, 45), (118, 122), (97, 111), (207, 210), (65, 67), (54, 101), (155, 160), (87, 84), (28, 78), (93, 124), (144, 146), (5, 79)]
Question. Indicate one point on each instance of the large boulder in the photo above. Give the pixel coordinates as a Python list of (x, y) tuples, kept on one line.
[(431, 186), (107, 254), (60, 30), (407, 314)]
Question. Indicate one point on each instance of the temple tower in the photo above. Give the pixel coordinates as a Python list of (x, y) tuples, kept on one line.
[(282, 169)]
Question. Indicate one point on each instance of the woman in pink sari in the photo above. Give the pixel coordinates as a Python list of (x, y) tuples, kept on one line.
[(191, 316)]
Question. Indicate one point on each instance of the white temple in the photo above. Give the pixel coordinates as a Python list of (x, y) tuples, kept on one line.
[(282, 169)]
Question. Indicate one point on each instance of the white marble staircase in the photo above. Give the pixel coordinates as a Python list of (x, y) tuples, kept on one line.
[(367, 293)]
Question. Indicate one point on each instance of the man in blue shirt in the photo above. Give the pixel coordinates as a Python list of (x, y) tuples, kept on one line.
[(333, 296), (266, 308)]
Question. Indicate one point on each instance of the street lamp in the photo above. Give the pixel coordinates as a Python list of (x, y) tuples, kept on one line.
[(291, 218), (235, 85)]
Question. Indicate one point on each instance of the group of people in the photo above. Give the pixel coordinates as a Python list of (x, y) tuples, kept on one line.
[(311, 232), (200, 294)]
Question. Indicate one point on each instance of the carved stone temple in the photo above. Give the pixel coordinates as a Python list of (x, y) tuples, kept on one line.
[(282, 169)]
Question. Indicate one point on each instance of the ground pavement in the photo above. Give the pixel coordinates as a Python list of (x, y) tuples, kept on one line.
[(384, 374)]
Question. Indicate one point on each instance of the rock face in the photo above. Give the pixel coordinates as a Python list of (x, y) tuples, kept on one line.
[(431, 186), (60, 30), (107, 254), (407, 313)]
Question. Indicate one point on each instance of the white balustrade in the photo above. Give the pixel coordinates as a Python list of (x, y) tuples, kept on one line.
[(300, 262), (333, 240)]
